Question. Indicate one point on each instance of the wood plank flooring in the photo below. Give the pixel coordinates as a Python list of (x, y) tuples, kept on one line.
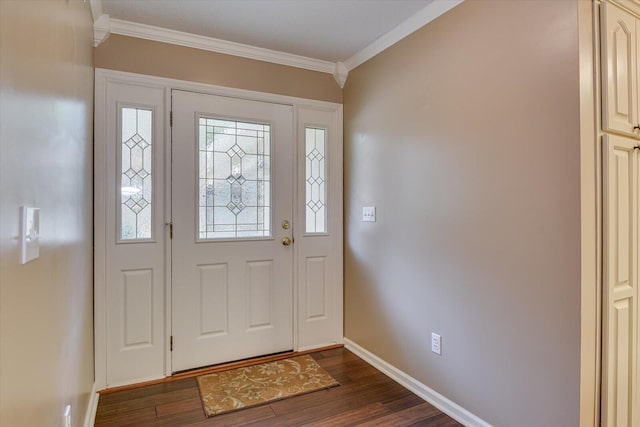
[(366, 397)]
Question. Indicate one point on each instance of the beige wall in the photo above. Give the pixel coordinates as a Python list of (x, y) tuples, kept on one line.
[(178, 62), (46, 308), (465, 136)]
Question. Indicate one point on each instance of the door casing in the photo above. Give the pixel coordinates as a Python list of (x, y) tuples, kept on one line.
[(308, 333)]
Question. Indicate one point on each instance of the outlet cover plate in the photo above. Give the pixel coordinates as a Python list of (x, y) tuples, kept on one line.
[(436, 343)]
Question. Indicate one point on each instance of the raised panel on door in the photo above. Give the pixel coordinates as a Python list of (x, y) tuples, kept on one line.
[(619, 70), (620, 291), (232, 186), (214, 299), (316, 287), (259, 305), (137, 301)]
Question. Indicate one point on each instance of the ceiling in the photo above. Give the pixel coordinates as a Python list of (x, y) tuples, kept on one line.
[(328, 30)]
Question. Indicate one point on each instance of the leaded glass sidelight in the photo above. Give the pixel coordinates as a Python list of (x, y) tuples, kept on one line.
[(136, 164), (234, 179), (315, 180)]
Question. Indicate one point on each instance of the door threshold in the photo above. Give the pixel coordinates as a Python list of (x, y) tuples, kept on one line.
[(221, 367), (185, 373)]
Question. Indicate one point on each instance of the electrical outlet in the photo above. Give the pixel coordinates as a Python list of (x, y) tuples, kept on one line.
[(67, 416), (436, 343)]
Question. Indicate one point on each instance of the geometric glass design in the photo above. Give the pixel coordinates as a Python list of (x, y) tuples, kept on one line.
[(136, 191), (234, 179), (315, 180)]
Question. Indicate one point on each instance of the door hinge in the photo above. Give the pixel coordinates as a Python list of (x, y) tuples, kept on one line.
[(171, 343), (170, 225), (170, 118)]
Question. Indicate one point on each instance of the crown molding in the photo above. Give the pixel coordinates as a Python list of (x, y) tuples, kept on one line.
[(164, 35), (101, 29), (104, 26), (413, 23), (340, 74)]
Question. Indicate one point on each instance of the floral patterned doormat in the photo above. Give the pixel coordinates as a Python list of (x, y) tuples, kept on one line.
[(254, 385)]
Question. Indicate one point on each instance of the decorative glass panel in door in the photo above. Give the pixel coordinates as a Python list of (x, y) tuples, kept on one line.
[(136, 164), (315, 180), (234, 179)]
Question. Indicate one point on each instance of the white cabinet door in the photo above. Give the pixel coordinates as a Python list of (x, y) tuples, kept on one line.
[(620, 70), (620, 398), (232, 255)]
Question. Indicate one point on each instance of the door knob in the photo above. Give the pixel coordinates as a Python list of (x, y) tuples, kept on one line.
[(287, 241)]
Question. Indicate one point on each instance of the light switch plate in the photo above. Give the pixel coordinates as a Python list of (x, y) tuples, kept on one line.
[(369, 213), (29, 234)]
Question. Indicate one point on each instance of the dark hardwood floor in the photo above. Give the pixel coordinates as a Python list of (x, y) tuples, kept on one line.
[(365, 397)]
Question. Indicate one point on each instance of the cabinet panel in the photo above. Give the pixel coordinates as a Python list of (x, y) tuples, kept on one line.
[(620, 288), (620, 70)]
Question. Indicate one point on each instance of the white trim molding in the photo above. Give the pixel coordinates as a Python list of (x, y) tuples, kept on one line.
[(450, 408), (433, 10), (340, 74), (102, 75), (92, 407), (149, 32), (104, 26), (101, 29)]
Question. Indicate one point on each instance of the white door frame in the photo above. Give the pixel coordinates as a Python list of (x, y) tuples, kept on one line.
[(331, 330)]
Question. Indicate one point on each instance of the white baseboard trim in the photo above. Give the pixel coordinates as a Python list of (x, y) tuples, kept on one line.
[(450, 408), (92, 408), (315, 346)]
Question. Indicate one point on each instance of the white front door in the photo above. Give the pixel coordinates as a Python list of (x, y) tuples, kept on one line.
[(232, 262)]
